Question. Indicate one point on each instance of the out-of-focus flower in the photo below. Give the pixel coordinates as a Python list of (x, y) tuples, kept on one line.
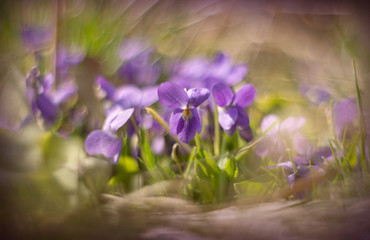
[(301, 169), (314, 94), (67, 58), (222, 69), (128, 96), (345, 116), (43, 98), (105, 142), (34, 38), (185, 120), (280, 136), (124, 102), (231, 106), (137, 67), (200, 72)]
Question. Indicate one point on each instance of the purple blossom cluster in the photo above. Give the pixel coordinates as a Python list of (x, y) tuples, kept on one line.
[(194, 90), (190, 85)]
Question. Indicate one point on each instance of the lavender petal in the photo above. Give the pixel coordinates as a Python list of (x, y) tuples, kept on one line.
[(150, 96), (172, 95), (104, 143), (176, 122), (243, 118), (222, 95), (245, 96), (227, 117), (106, 86), (128, 96), (197, 96), (49, 111), (196, 121), (117, 118)]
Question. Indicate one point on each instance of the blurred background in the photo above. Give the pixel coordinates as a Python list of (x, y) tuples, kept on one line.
[(287, 46)]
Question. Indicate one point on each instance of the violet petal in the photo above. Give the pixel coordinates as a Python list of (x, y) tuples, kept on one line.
[(172, 95), (222, 95), (105, 143), (236, 74), (302, 145), (243, 118), (344, 112), (196, 121), (246, 133), (49, 111), (268, 121), (150, 96), (63, 92), (292, 125), (300, 160), (48, 83), (197, 96), (227, 117), (106, 86), (188, 131), (128, 96), (175, 119), (117, 118), (245, 96)]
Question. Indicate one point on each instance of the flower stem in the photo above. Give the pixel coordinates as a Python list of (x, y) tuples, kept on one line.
[(163, 123), (216, 142)]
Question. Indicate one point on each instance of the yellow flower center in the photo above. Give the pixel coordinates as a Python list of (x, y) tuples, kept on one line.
[(186, 114)]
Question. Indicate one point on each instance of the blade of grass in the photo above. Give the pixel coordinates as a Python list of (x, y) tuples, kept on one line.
[(363, 157)]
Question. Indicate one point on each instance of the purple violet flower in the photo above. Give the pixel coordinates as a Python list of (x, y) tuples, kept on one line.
[(34, 38), (137, 67), (315, 94), (124, 101), (302, 170), (128, 96), (105, 142), (274, 143), (201, 72), (43, 99), (185, 120), (66, 59), (231, 106)]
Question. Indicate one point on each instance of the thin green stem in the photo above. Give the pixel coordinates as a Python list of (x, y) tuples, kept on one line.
[(363, 161), (163, 123), (216, 142)]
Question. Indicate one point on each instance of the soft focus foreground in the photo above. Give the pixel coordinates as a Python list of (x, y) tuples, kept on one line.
[(184, 120)]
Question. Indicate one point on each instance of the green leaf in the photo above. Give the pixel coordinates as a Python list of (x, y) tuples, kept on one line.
[(127, 164), (231, 168), (147, 153)]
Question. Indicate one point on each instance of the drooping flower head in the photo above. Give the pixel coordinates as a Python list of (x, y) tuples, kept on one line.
[(231, 106), (185, 120)]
